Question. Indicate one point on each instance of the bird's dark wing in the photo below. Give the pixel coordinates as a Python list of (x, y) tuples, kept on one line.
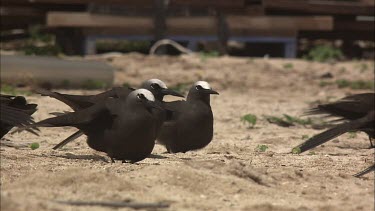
[(365, 171), (14, 116), (69, 139), (350, 107), (172, 109), (334, 132), (78, 102), (75, 119)]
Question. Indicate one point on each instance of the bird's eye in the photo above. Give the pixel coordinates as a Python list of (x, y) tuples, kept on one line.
[(198, 87), (141, 96), (155, 86)]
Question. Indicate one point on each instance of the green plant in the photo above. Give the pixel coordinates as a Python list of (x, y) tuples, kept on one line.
[(325, 83), (123, 46), (11, 90), (181, 87), (352, 135), (288, 66), (34, 146), (210, 54), (296, 150), (250, 119), (41, 43), (323, 53), (358, 84), (312, 153), (304, 137), (93, 84), (287, 120), (261, 148)]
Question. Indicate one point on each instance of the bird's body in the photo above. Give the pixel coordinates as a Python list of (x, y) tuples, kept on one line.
[(14, 111), (125, 128), (79, 102), (355, 113), (190, 124)]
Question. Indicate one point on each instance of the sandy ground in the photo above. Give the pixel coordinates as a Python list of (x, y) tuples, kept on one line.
[(229, 174)]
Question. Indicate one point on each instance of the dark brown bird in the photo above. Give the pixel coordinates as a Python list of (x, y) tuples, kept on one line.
[(190, 124), (125, 128), (15, 111), (78, 102), (355, 112)]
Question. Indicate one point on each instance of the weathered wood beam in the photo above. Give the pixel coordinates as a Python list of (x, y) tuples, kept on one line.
[(79, 19), (320, 7)]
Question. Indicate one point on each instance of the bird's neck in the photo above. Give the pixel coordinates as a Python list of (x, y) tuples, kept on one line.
[(199, 97)]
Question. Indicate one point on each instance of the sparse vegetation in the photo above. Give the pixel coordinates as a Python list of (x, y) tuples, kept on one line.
[(324, 53), (287, 120), (304, 137), (122, 46), (358, 84), (210, 54), (41, 43), (296, 150), (11, 90), (352, 135), (250, 119), (261, 148), (93, 84), (34, 146), (181, 87), (288, 66)]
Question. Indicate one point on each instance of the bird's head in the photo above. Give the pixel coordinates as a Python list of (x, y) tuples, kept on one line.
[(159, 89), (143, 97), (201, 90)]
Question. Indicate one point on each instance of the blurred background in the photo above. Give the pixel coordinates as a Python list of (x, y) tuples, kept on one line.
[(317, 30)]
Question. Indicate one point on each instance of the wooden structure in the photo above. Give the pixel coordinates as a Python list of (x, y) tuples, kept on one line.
[(79, 23)]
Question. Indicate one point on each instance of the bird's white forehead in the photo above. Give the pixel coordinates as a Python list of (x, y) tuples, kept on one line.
[(203, 84), (157, 81), (149, 96)]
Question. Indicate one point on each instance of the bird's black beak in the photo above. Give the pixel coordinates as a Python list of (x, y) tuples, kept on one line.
[(152, 104), (209, 91), (171, 92)]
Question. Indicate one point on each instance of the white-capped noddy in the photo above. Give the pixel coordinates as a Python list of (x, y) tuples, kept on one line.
[(77, 102), (125, 128), (15, 111), (190, 124), (356, 112)]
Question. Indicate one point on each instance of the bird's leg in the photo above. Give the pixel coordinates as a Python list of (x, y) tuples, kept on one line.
[(112, 160), (371, 144)]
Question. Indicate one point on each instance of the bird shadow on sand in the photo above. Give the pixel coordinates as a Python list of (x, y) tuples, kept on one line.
[(153, 156), (83, 157)]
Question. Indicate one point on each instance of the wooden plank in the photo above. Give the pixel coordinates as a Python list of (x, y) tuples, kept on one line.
[(352, 25), (20, 11), (146, 3), (320, 7), (82, 19), (321, 23)]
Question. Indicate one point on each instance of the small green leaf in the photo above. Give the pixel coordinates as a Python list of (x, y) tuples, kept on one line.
[(250, 119), (34, 146), (261, 148), (296, 150)]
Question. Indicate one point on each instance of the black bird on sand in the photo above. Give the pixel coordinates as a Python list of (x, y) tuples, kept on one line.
[(355, 113), (190, 122), (15, 111), (125, 127), (78, 102)]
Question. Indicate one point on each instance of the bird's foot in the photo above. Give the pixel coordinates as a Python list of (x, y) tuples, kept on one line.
[(112, 160)]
